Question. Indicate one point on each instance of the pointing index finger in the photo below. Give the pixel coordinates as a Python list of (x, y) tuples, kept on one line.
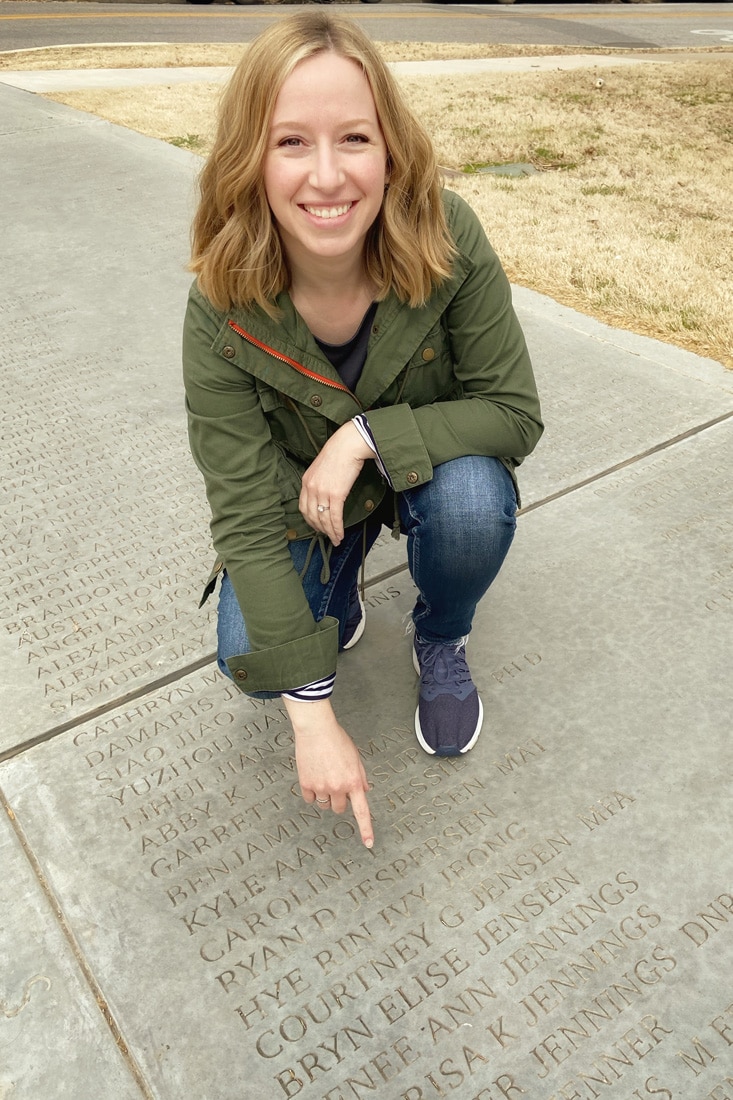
[(360, 806)]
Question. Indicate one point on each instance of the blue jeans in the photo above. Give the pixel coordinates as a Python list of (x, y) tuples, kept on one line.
[(459, 528)]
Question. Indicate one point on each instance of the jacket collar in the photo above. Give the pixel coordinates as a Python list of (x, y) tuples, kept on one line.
[(397, 333)]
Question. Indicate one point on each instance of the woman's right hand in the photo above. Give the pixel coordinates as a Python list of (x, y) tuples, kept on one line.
[(328, 762)]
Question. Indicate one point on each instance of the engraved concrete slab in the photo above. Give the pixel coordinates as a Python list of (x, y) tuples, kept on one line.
[(105, 531), (51, 1028), (550, 917)]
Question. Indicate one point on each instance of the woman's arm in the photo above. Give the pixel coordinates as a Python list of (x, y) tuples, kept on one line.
[(329, 479), (329, 765), (497, 413), (232, 446)]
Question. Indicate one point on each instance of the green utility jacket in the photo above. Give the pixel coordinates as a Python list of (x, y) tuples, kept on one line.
[(449, 379)]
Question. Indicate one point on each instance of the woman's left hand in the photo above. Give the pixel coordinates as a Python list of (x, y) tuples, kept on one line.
[(328, 480)]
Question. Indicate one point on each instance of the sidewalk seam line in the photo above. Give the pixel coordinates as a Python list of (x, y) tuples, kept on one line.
[(138, 693), (665, 445), (105, 708), (93, 984)]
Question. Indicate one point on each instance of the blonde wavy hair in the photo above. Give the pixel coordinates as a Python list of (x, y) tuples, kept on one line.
[(237, 253)]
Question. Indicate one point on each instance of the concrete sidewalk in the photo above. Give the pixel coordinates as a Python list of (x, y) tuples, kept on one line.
[(61, 80), (551, 913)]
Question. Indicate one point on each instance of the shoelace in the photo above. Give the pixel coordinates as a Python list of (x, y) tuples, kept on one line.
[(438, 670)]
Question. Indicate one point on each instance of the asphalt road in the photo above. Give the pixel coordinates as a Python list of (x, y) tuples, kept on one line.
[(25, 25)]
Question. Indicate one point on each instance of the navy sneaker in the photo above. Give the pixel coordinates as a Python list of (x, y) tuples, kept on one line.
[(449, 712), (355, 619)]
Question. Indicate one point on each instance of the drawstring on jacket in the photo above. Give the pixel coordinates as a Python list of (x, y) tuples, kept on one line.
[(396, 523), (326, 548)]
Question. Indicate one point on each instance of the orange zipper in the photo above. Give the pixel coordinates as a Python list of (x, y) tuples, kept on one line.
[(292, 362)]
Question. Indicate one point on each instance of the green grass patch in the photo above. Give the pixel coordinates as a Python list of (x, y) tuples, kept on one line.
[(602, 189), (194, 142)]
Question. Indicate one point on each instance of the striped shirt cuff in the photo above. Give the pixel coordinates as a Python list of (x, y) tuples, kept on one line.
[(362, 426), (319, 689)]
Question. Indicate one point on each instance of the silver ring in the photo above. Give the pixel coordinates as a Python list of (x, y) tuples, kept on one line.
[(322, 508), (323, 801)]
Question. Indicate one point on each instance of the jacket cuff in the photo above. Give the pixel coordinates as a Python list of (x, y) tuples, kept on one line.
[(401, 446), (301, 661)]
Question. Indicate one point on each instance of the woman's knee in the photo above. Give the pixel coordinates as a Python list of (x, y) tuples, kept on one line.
[(471, 492)]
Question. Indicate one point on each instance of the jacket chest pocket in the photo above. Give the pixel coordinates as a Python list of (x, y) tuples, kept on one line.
[(270, 399), (429, 374), (294, 427)]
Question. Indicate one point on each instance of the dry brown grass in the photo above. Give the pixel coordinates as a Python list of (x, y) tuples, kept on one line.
[(183, 114), (148, 55), (629, 218)]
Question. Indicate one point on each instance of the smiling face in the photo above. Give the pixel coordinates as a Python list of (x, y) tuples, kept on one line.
[(325, 167)]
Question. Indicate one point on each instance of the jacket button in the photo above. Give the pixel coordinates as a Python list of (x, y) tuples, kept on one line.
[(369, 505), (291, 534), (428, 355), (240, 674), (218, 567), (228, 352), (316, 401), (411, 477)]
